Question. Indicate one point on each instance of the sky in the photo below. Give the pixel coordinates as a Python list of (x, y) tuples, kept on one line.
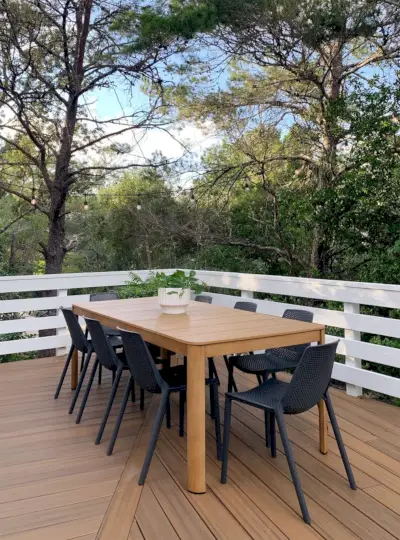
[(106, 103)]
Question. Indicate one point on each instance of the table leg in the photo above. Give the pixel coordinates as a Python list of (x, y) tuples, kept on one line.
[(196, 421), (74, 369), (323, 418)]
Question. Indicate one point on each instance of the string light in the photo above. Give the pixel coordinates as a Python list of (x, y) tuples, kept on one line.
[(193, 198), (247, 186), (86, 204), (139, 205), (33, 199)]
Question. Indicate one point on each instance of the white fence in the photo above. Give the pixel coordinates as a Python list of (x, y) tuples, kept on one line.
[(350, 294)]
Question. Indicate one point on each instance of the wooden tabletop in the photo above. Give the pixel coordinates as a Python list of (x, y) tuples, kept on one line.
[(203, 324)]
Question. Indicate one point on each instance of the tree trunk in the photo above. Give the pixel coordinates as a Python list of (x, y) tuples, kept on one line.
[(329, 140), (54, 253)]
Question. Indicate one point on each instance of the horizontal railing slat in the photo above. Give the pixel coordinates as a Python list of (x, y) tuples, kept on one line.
[(34, 344), (367, 379), (371, 294), (31, 324), (65, 281), (40, 304)]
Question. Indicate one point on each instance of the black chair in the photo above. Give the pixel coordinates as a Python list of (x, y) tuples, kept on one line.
[(79, 342), (308, 386), (83, 344), (203, 298), (110, 360), (273, 360), (244, 306), (101, 297), (164, 382)]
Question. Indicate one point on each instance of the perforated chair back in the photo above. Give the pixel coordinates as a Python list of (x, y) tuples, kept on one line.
[(104, 352), (299, 315), (203, 298), (102, 296), (77, 336), (311, 378), (246, 306), (141, 364)]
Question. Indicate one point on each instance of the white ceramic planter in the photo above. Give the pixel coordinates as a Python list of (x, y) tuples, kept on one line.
[(175, 303)]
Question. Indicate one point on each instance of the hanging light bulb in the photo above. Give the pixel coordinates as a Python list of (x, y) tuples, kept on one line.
[(247, 186), (193, 198), (33, 199), (139, 205), (86, 204)]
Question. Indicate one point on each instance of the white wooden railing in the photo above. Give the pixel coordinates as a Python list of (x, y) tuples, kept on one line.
[(350, 295)]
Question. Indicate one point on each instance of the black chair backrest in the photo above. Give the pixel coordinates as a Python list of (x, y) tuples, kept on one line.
[(246, 306), (78, 337), (101, 296), (104, 352), (311, 378), (203, 298), (298, 315), (141, 364)]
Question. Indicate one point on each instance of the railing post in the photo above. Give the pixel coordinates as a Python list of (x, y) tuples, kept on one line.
[(61, 331), (352, 390), (247, 294)]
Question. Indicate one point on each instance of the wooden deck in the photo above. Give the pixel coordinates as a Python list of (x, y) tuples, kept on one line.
[(55, 484)]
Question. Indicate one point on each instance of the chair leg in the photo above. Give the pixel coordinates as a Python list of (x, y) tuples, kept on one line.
[(292, 466), (225, 447), (80, 382), (214, 387), (88, 388), (64, 372), (154, 437), (168, 414), (339, 441), (109, 404), (141, 399), (182, 401), (82, 362), (272, 433), (100, 373), (133, 392), (215, 372), (231, 380), (259, 378), (267, 429), (210, 376), (125, 399)]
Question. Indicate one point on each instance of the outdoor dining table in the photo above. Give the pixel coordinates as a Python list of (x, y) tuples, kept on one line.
[(204, 331)]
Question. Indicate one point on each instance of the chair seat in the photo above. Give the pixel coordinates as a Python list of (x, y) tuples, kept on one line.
[(176, 377), (115, 341), (111, 331), (272, 360), (266, 396)]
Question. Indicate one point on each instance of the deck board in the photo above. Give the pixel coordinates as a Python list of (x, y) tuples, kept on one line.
[(55, 484)]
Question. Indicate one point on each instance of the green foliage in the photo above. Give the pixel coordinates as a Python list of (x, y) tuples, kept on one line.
[(138, 288)]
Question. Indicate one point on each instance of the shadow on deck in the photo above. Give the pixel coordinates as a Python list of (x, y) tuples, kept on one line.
[(55, 484)]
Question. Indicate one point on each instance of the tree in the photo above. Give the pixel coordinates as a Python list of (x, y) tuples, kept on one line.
[(56, 56), (290, 62)]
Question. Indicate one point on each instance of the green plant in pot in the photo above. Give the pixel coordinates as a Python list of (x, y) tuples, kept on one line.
[(173, 290)]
